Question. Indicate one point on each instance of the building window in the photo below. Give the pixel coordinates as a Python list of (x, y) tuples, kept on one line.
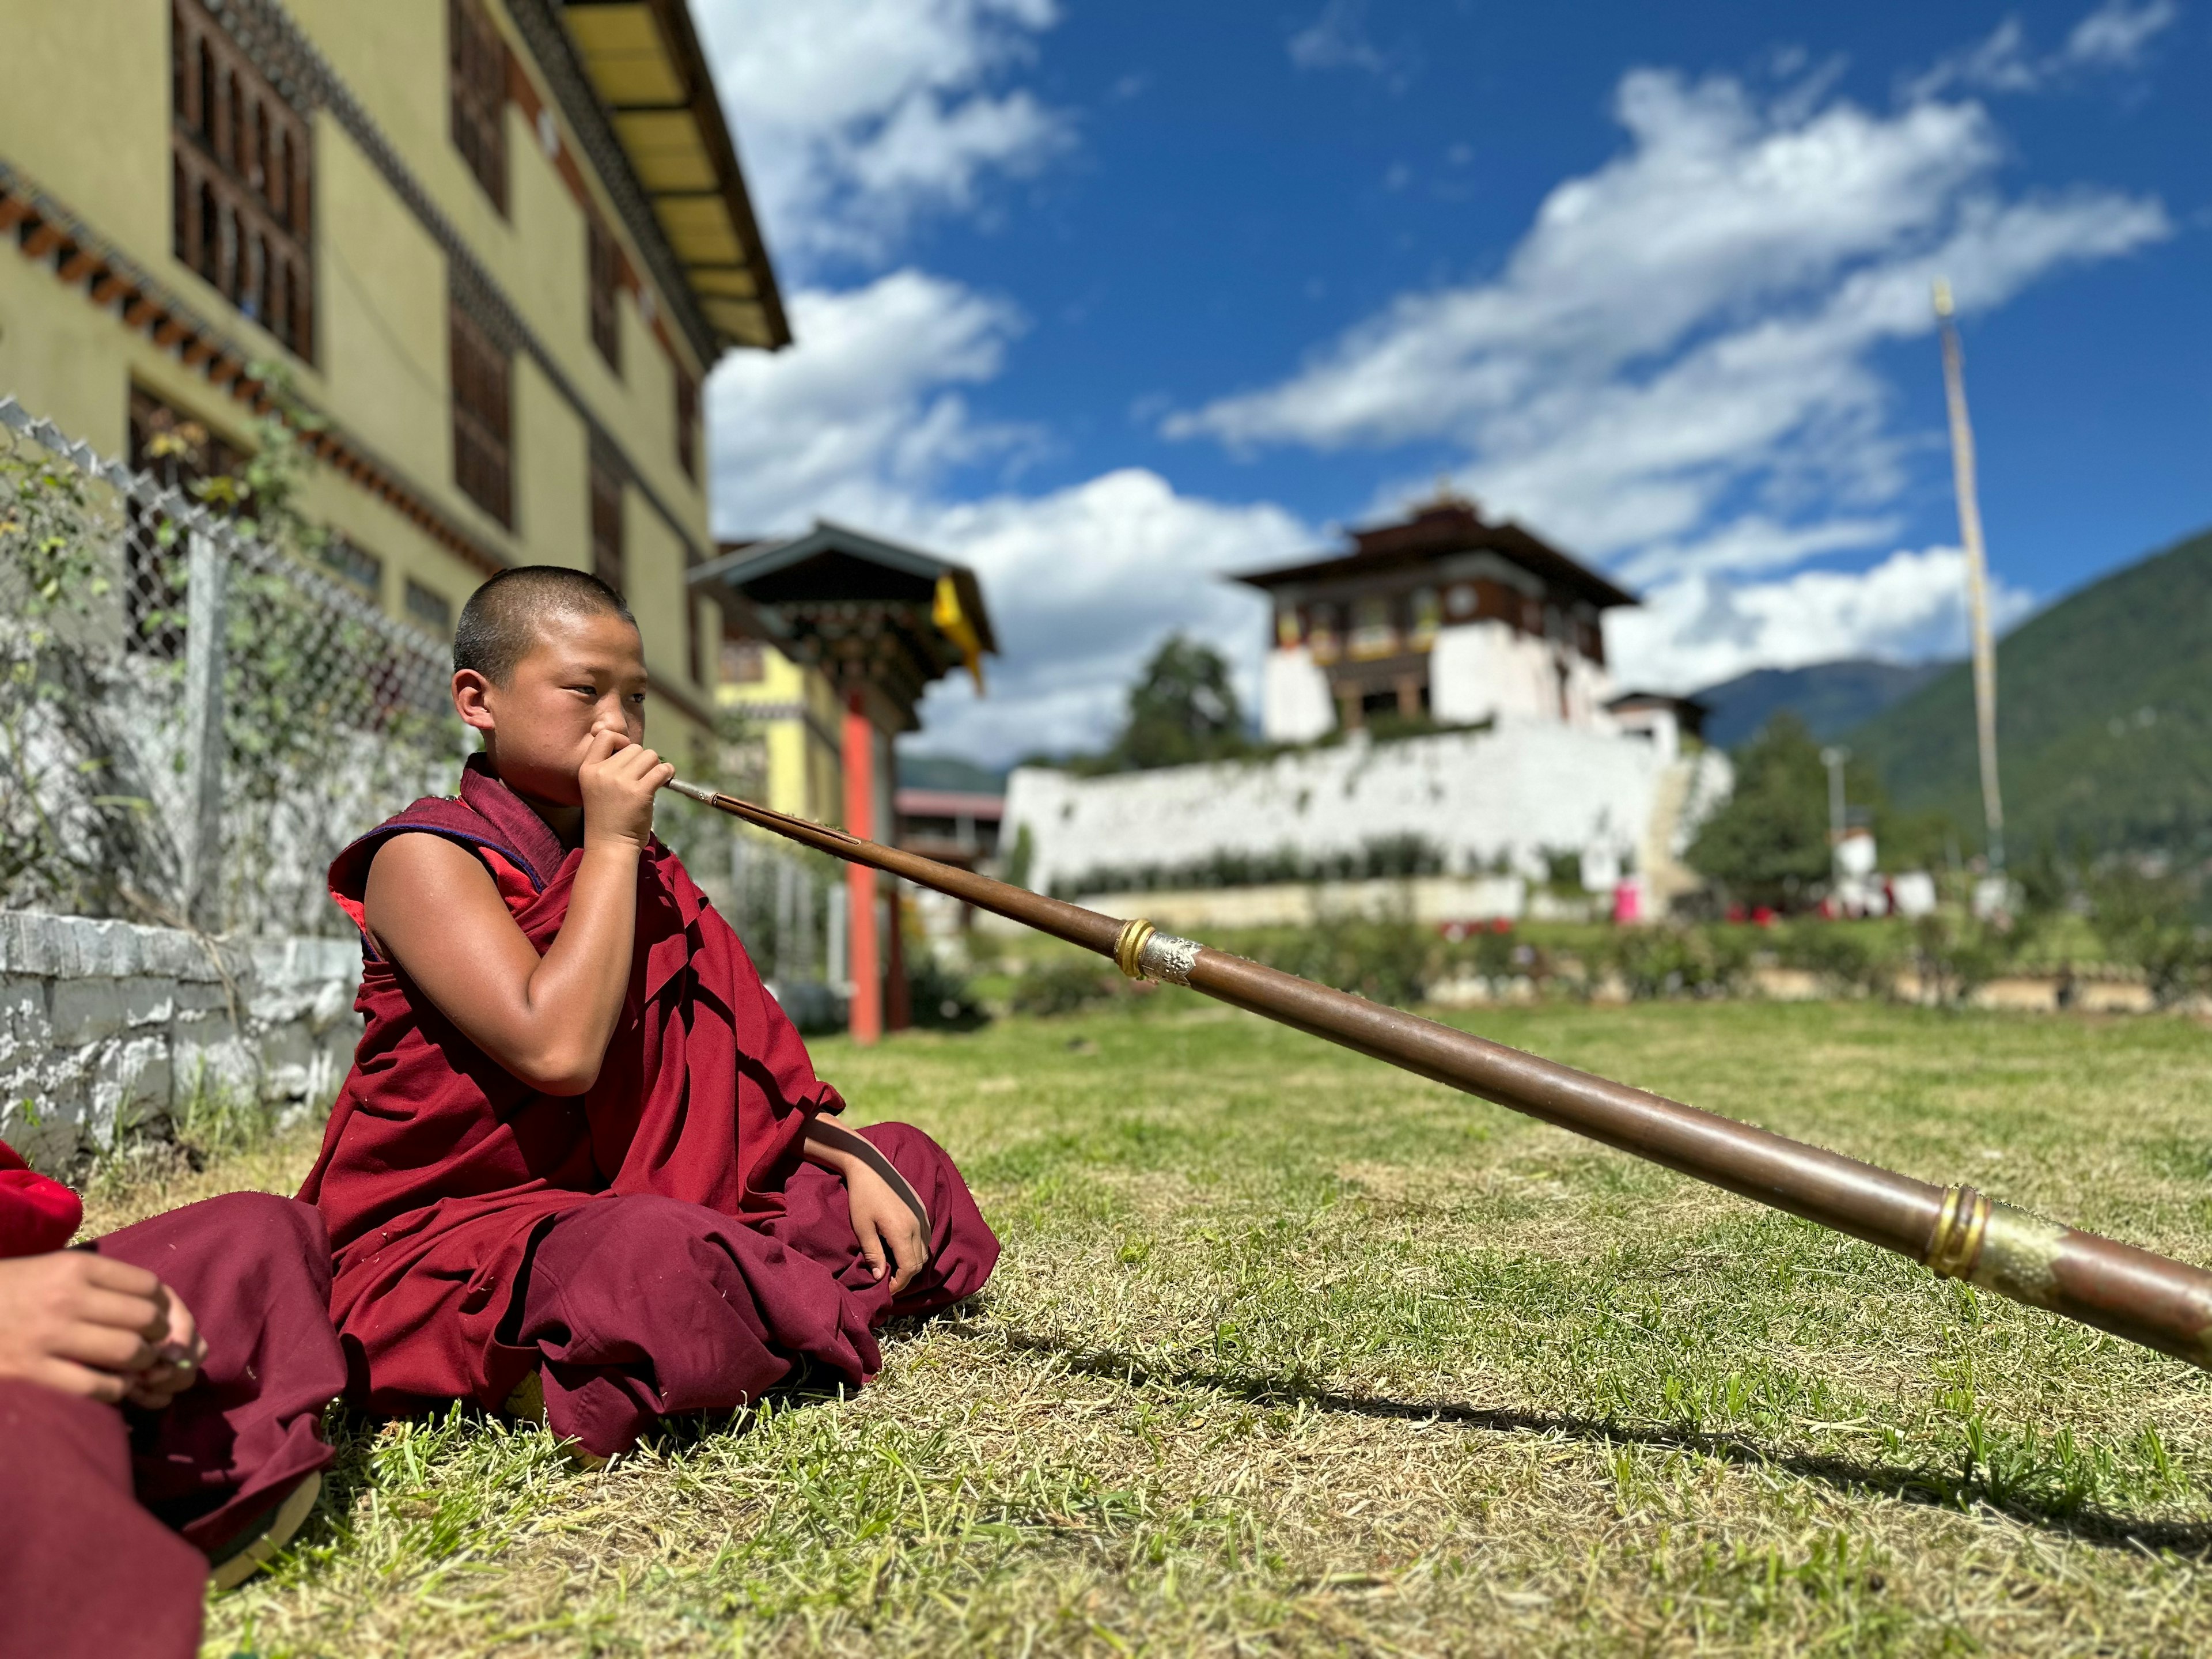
[(1320, 634), (1372, 633), (482, 403), (606, 519), (604, 278), (239, 173), (430, 608), (743, 663), (687, 423), (355, 564), (476, 60), (1427, 615)]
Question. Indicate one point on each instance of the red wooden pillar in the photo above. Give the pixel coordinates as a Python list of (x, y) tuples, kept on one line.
[(863, 960)]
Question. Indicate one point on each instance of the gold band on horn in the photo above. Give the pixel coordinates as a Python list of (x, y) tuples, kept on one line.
[(1130, 946), (1956, 1245)]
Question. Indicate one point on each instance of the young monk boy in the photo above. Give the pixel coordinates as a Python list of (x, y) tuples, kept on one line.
[(581, 1151), (161, 1394)]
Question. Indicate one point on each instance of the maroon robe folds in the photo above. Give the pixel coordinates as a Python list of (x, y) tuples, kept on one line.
[(456, 1195), (108, 1515)]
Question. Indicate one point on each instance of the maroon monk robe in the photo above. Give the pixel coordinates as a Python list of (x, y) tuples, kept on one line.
[(101, 1508), (695, 1259)]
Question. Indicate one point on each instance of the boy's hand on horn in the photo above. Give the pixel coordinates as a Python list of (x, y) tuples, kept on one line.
[(618, 779), (84, 1325)]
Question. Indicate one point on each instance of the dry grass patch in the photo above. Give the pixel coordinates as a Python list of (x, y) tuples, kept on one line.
[(1289, 1353)]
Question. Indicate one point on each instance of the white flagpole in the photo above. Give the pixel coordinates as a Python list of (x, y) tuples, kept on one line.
[(1977, 574)]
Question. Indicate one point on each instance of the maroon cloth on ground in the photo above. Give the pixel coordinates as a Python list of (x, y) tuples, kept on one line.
[(85, 1572), (37, 1213), (86, 1565), (645, 1307), (255, 1270), (440, 1167)]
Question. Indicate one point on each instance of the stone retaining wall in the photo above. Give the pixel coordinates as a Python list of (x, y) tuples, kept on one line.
[(106, 1027)]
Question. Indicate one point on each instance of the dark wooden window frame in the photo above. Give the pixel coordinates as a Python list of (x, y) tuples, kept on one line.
[(609, 562), (476, 64), (603, 286), (687, 422), (427, 606), (483, 404), (239, 165)]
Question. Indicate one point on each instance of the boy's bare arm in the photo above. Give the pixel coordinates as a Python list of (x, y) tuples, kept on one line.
[(433, 909)]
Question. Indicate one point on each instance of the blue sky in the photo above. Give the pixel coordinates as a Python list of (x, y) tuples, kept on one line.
[(1110, 300)]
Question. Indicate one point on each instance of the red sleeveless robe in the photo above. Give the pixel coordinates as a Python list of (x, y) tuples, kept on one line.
[(438, 1165)]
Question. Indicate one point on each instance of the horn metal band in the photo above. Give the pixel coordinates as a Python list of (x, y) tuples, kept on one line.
[(1129, 946), (1956, 1243)]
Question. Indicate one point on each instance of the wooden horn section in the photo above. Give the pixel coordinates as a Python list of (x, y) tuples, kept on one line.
[(1955, 1231)]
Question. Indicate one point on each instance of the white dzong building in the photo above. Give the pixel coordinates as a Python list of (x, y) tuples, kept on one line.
[(1445, 615)]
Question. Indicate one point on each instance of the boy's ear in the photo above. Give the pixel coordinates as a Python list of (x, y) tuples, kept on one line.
[(471, 699)]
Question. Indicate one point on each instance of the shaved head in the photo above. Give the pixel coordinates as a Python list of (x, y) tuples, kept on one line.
[(504, 618)]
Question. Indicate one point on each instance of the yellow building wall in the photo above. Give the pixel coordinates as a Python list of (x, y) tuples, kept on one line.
[(84, 106), (85, 115), (799, 728), (552, 499), (380, 346)]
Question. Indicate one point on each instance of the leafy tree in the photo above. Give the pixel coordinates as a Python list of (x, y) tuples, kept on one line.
[(1770, 841), (1184, 709)]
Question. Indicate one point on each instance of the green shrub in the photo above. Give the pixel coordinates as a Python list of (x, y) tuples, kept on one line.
[(1675, 962), (2145, 920), (941, 996), (1848, 958), (1061, 985), (1387, 958), (1957, 953)]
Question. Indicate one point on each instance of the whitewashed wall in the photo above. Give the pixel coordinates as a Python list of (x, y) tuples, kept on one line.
[(1295, 706), (1521, 789), (1477, 671), (105, 1026)]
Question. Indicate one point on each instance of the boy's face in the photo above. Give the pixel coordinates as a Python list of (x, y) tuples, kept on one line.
[(585, 673)]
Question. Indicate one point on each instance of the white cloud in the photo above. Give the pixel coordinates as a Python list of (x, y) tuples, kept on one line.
[(862, 416), (2116, 33), (1697, 631), (1338, 38), (1674, 370), (1083, 583), (857, 116), (2112, 37), (862, 421)]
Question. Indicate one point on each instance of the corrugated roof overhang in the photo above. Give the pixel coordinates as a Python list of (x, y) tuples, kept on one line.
[(644, 61)]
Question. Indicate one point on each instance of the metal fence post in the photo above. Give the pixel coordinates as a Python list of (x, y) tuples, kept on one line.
[(834, 968), (786, 921), (207, 574)]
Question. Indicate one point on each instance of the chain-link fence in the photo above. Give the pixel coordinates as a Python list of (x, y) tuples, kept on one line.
[(192, 722)]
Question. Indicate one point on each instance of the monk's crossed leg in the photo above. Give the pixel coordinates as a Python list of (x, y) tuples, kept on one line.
[(643, 1307)]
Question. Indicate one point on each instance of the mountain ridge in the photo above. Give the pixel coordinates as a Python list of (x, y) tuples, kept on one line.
[(2104, 719), (1831, 698)]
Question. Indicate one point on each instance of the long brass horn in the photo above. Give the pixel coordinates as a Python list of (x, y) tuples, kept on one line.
[(1955, 1231)]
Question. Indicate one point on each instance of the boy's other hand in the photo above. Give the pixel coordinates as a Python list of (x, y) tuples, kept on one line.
[(84, 1325), (890, 1233), (177, 1358), (618, 780)]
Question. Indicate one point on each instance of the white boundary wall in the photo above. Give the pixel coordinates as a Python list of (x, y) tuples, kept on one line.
[(1517, 791), (106, 1025)]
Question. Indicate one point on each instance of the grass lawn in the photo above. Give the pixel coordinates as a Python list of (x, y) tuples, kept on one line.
[(1292, 1353)]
